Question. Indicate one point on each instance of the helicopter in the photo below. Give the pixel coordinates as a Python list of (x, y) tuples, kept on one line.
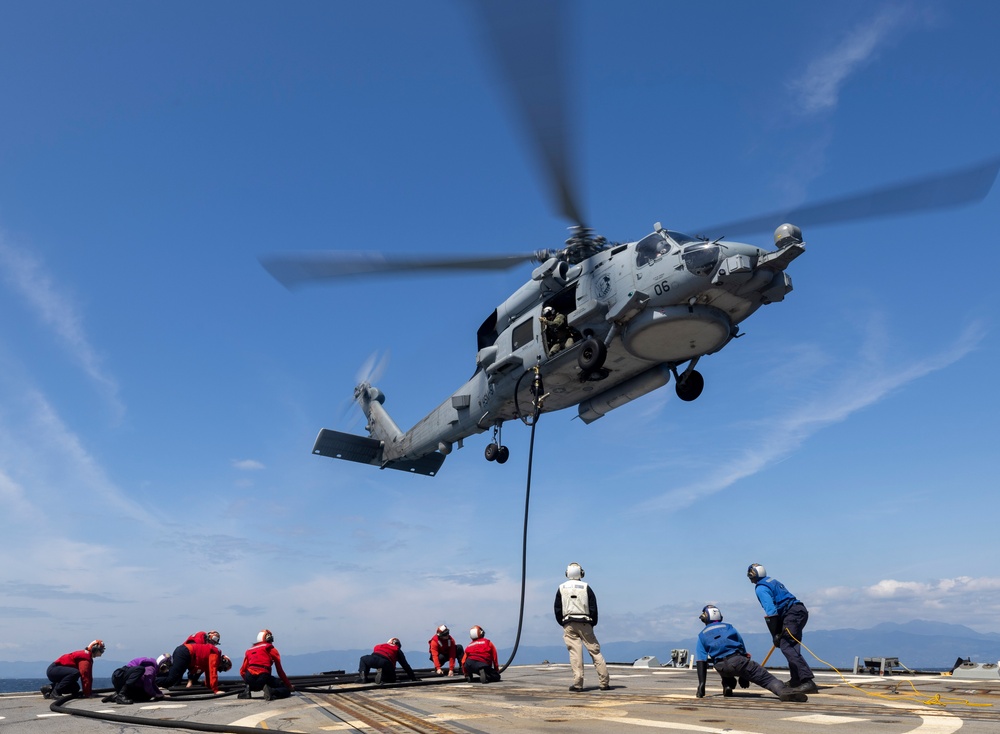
[(598, 323)]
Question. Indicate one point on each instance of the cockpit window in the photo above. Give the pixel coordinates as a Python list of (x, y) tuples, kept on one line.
[(682, 239), (650, 247), (701, 258)]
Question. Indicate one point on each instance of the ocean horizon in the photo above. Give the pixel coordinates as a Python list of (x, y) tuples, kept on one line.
[(33, 685)]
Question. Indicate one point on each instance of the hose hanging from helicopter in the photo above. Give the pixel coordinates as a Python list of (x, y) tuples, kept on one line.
[(537, 400)]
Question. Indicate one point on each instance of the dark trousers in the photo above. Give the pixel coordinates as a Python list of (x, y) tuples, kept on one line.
[(65, 679), (794, 620), (368, 662), (459, 651), (472, 668), (180, 662), (740, 666), (129, 681), (257, 681)]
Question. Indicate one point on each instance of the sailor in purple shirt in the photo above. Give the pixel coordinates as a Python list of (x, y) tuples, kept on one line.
[(136, 681)]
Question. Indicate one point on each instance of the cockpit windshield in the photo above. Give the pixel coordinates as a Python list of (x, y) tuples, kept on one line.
[(682, 239), (652, 246), (701, 258)]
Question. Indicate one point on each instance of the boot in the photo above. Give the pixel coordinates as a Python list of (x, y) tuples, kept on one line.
[(245, 693)]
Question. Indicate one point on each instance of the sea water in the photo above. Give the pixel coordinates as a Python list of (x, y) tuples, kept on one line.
[(20, 685)]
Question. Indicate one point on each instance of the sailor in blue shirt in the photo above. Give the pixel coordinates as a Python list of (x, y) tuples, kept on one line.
[(785, 617), (723, 644)]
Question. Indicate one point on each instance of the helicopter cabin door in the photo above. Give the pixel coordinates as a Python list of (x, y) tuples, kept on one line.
[(556, 332)]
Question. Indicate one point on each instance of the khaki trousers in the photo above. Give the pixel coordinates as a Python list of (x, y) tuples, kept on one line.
[(576, 635)]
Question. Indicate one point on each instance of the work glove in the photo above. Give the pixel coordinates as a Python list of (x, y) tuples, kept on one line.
[(702, 666), (744, 681), (776, 639)]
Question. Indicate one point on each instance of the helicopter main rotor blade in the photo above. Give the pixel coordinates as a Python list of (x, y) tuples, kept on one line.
[(954, 188), (526, 37), (297, 269)]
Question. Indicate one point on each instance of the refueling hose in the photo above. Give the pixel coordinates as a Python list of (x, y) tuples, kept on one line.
[(537, 399)]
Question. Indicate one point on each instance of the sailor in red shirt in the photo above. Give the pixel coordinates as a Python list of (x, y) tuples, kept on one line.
[(71, 669), (196, 657), (212, 638), (442, 647), (480, 658), (384, 657), (256, 670)]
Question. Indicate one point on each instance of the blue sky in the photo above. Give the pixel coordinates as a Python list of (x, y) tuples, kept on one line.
[(160, 393)]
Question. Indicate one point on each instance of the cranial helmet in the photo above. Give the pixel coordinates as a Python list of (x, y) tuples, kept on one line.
[(756, 572), (265, 636), (548, 311), (574, 571), (394, 641), (225, 664), (477, 632), (710, 613), (163, 661), (443, 631), (213, 637), (96, 648)]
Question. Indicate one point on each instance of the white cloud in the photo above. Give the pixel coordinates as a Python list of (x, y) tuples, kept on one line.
[(27, 277), (834, 404), (247, 464), (818, 89)]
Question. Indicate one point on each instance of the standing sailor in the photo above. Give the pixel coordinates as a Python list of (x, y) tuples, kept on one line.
[(785, 617), (576, 610)]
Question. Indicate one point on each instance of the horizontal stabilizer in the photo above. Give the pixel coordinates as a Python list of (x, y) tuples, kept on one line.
[(364, 450)]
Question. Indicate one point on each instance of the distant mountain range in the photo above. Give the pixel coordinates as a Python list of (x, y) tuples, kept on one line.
[(918, 645)]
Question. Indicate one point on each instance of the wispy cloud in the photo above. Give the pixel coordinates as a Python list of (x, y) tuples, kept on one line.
[(27, 277), (818, 89), (836, 403), (247, 464), (51, 591)]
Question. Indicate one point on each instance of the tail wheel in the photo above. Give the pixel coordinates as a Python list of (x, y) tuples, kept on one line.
[(502, 455), (593, 352), (492, 451), (691, 388)]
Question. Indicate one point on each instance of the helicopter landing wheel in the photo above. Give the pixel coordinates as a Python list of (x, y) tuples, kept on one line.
[(593, 352), (691, 388), (499, 454)]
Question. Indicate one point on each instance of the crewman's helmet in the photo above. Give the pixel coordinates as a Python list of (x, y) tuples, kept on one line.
[(443, 631), (548, 312), (265, 636), (756, 572), (710, 613), (225, 664), (96, 648), (394, 641), (163, 662), (574, 572), (213, 637), (477, 632)]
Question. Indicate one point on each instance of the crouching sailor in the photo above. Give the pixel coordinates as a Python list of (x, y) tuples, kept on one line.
[(724, 645), (256, 670), (136, 681), (73, 669), (384, 657)]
